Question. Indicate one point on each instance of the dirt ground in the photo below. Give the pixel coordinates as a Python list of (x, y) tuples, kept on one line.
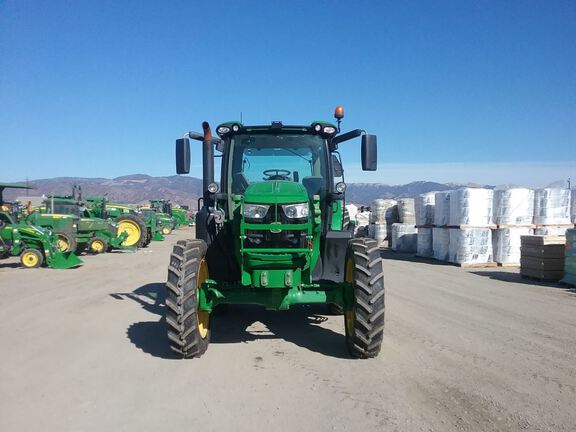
[(464, 350)]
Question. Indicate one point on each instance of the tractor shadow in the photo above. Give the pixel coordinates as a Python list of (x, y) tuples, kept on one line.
[(237, 324)]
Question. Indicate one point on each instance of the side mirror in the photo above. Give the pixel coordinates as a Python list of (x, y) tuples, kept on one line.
[(337, 166), (369, 153), (182, 156)]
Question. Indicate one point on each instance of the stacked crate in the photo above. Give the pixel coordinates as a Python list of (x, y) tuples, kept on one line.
[(542, 257), (570, 258)]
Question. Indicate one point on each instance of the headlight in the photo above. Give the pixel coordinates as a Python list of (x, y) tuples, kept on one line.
[(255, 211), (296, 211), (223, 130)]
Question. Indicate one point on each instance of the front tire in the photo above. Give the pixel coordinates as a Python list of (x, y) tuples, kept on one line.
[(31, 258), (188, 327), (97, 245), (66, 242), (365, 321)]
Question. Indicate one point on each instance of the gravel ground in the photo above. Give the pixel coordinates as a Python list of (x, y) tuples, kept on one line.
[(464, 350)]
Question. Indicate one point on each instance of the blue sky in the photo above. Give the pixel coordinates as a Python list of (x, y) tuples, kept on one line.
[(455, 90)]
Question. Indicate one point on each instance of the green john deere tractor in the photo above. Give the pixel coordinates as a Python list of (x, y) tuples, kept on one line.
[(164, 221), (153, 222), (183, 216), (124, 216), (34, 245), (272, 233), (164, 209), (70, 220)]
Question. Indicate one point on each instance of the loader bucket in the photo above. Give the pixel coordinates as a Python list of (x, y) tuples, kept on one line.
[(116, 242), (158, 236), (64, 260)]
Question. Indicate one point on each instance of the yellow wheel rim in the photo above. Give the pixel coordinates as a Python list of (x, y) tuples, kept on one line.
[(63, 244), (349, 315), (166, 231), (97, 246), (30, 259), (132, 229), (203, 316)]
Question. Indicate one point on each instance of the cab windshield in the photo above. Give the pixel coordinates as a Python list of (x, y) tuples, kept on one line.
[(68, 209), (289, 157)]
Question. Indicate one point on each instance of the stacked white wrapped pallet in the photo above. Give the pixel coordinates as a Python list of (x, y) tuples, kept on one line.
[(406, 211), (471, 213), (513, 206), (506, 244), (362, 222), (552, 206), (471, 206), (404, 237), (384, 214), (552, 211), (424, 208), (470, 246), (425, 247), (442, 208), (513, 213), (440, 236), (352, 211), (440, 243)]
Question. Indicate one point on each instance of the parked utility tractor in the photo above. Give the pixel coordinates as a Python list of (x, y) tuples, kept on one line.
[(271, 233), (164, 209), (164, 221), (34, 245), (70, 220), (153, 222), (125, 217), (183, 217)]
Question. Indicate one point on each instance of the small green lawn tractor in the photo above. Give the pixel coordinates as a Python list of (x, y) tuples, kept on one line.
[(272, 233), (70, 220), (124, 216), (34, 245)]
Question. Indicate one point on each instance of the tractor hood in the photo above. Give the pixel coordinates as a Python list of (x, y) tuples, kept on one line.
[(275, 192)]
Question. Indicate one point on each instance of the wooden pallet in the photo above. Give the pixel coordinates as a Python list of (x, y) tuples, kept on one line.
[(568, 226), (475, 265), (492, 226), (538, 279), (508, 264), (515, 226)]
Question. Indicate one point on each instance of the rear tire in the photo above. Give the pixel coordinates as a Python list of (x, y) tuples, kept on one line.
[(135, 227), (66, 242), (31, 258), (188, 328), (365, 321), (97, 245)]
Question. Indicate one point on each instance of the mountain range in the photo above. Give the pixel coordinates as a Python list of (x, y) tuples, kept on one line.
[(139, 188)]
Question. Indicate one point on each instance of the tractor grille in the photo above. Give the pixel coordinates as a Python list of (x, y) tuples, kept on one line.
[(284, 239)]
